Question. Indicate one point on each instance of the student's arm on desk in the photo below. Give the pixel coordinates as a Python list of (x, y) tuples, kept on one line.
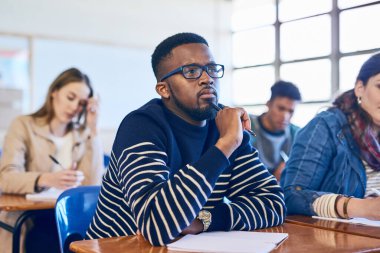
[(360, 208), (372, 203), (257, 201), (164, 202)]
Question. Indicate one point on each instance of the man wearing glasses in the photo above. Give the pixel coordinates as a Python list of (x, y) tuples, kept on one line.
[(180, 167)]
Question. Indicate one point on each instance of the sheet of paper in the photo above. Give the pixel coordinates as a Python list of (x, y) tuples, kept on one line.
[(49, 195), (229, 242), (362, 221)]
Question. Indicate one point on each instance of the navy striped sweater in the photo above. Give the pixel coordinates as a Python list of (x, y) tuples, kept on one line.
[(163, 171)]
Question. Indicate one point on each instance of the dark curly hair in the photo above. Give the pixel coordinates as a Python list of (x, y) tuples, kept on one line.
[(164, 49)]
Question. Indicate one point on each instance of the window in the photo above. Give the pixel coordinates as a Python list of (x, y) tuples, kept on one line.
[(255, 47), (294, 9), (249, 85), (349, 69), (306, 38), (311, 77), (249, 14), (350, 3), (359, 29), (319, 45)]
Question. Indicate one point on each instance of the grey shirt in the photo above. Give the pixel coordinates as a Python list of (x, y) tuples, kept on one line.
[(270, 144)]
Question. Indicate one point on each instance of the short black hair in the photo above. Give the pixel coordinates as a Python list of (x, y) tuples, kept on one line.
[(285, 89), (163, 50)]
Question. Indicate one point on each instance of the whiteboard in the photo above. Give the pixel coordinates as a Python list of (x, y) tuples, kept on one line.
[(122, 76)]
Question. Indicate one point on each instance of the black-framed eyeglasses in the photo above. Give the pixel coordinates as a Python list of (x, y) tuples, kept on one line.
[(194, 71)]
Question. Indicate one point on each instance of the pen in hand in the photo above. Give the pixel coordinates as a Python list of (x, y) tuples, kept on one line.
[(56, 161), (79, 174), (60, 165), (284, 156), (217, 108)]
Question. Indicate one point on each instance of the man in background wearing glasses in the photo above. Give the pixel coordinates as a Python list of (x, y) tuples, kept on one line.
[(178, 166)]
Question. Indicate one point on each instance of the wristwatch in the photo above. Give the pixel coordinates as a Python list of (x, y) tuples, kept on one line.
[(205, 217)]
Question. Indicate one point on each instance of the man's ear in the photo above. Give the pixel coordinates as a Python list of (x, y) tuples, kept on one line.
[(359, 88), (162, 89)]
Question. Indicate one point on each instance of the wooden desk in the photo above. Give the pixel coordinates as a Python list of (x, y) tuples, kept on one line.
[(10, 202), (350, 228), (301, 239)]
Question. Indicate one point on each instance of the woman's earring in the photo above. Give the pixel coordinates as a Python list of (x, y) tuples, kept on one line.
[(359, 100)]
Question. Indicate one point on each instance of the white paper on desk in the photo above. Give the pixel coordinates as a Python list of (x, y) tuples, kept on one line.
[(50, 194), (361, 221), (229, 242)]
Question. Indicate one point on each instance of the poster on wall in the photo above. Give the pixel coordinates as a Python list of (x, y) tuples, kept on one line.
[(14, 62), (14, 77)]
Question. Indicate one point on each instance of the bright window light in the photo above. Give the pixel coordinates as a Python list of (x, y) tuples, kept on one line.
[(359, 29), (249, 14), (304, 51), (252, 85), (293, 9), (350, 3), (253, 47), (313, 78), (349, 69), (306, 38), (306, 112)]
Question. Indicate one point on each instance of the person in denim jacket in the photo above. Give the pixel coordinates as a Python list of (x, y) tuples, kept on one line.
[(335, 160)]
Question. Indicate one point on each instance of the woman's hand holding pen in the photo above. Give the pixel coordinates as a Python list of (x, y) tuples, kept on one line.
[(92, 114), (231, 122), (63, 179)]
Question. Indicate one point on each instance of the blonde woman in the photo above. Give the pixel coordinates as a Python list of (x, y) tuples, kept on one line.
[(65, 127)]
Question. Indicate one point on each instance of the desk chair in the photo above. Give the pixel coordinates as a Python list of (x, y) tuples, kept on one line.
[(73, 212), (106, 160)]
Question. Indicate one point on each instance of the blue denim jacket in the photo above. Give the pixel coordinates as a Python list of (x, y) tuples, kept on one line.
[(324, 159)]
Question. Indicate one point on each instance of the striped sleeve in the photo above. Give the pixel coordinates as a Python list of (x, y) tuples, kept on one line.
[(164, 203), (256, 200)]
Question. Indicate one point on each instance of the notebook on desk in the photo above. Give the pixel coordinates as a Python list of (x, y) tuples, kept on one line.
[(51, 194), (229, 242), (361, 221)]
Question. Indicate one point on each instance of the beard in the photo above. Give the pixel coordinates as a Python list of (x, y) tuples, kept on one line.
[(198, 113)]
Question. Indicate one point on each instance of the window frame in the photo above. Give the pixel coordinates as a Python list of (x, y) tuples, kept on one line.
[(334, 56)]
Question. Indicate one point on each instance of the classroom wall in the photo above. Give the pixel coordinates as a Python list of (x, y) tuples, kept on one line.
[(112, 42)]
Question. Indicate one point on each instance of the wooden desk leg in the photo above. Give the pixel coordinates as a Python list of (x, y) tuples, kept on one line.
[(17, 230)]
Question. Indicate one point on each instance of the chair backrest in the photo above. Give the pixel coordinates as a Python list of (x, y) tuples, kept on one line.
[(73, 212), (106, 160)]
